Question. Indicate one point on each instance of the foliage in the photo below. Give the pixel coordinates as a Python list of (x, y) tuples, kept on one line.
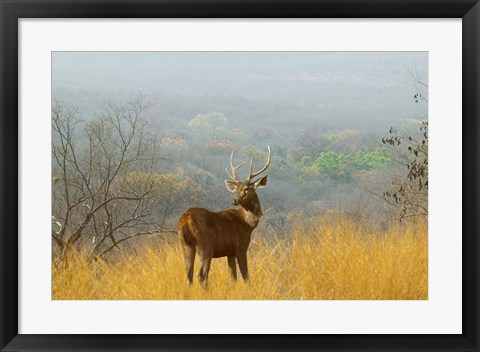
[(347, 141), (296, 156), (253, 152), (171, 193), (221, 147), (176, 142), (311, 144), (213, 126), (264, 132), (341, 166)]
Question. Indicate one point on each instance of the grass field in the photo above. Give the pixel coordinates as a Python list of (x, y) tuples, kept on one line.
[(336, 260)]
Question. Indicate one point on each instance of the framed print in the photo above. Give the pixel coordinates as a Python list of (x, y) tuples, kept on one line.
[(224, 175)]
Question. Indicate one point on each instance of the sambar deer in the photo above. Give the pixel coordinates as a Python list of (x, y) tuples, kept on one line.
[(225, 233)]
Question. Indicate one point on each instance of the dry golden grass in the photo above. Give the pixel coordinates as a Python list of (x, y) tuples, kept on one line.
[(338, 260)]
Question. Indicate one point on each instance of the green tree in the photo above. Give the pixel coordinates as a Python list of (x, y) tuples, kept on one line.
[(342, 166), (213, 126)]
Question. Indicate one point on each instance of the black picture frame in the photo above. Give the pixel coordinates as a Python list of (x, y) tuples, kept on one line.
[(11, 11)]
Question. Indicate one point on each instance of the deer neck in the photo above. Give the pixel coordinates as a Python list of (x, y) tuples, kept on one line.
[(252, 212)]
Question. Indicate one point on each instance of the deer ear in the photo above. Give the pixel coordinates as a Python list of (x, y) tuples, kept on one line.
[(261, 182), (231, 186)]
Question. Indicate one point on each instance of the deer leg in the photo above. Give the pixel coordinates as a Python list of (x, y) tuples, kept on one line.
[(189, 256), (205, 261), (242, 264), (233, 267)]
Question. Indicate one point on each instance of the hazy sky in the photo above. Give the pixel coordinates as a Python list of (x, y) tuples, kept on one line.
[(363, 84), (157, 70)]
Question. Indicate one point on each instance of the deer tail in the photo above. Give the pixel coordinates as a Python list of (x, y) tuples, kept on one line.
[(184, 232)]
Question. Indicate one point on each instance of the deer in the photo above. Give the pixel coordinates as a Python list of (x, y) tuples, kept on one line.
[(225, 233)]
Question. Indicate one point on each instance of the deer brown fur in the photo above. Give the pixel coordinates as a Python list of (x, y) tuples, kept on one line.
[(225, 233)]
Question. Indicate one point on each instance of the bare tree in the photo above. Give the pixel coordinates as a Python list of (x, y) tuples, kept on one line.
[(408, 191), (420, 86), (103, 176)]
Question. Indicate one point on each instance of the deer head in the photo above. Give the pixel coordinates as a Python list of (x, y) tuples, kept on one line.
[(244, 191)]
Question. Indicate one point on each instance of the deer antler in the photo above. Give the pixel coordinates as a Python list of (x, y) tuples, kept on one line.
[(252, 175), (233, 176)]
